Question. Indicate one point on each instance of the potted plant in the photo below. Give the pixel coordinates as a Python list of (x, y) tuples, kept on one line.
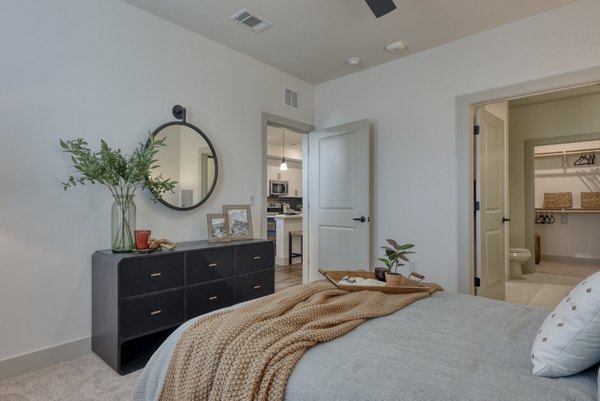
[(123, 175), (393, 254)]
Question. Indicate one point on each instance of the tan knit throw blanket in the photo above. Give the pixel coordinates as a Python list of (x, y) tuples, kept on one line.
[(249, 353)]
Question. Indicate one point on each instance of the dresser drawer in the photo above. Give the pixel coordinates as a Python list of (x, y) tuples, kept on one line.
[(209, 265), (255, 285), (204, 298), (150, 312), (150, 273), (250, 258)]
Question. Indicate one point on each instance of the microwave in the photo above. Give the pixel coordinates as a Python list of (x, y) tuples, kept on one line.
[(278, 188)]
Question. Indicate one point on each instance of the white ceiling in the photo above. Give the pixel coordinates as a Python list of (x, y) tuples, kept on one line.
[(311, 39)]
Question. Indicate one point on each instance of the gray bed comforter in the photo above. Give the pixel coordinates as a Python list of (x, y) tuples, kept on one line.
[(446, 347)]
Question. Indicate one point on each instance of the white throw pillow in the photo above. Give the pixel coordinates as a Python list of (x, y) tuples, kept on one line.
[(569, 339)]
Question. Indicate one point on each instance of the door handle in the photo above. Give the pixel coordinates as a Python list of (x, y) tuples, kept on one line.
[(362, 219), (504, 219)]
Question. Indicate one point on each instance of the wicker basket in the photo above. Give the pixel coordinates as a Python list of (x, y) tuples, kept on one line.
[(590, 200), (558, 200)]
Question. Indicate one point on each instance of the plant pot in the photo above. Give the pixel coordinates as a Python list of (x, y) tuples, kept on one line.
[(380, 273), (394, 279)]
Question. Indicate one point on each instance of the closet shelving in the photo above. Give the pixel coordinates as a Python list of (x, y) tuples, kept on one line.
[(566, 153), (574, 210)]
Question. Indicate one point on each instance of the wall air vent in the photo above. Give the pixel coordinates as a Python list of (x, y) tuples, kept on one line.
[(251, 20), (290, 98)]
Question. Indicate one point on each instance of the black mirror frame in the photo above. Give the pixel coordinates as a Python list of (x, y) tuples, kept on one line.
[(212, 149)]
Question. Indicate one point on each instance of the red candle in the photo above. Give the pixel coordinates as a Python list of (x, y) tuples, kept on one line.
[(142, 237)]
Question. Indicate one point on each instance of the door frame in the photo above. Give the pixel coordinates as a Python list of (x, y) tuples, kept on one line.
[(465, 155), (298, 127)]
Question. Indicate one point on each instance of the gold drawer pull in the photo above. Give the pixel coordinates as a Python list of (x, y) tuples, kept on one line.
[(256, 287), (212, 298), (256, 258), (212, 265), (155, 274), (156, 312)]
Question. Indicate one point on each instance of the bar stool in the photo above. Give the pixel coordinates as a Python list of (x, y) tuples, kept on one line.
[(291, 235)]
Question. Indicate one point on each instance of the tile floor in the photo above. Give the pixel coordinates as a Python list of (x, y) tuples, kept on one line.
[(547, 289)]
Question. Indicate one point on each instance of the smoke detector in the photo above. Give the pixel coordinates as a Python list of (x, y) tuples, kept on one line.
[(251, 20), (395, 47), (354, 61)]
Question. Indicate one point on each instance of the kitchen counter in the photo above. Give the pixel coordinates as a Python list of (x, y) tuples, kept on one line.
[(285, 224), (288, 216)]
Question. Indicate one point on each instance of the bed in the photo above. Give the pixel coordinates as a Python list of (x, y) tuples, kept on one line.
[(445, 347)]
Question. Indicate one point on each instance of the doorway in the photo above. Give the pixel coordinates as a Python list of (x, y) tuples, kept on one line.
[(282, 220), (336, 196), (467, 227), (563, 179), (549, 166)]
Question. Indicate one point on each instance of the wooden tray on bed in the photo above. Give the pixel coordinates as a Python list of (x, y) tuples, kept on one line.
[(411, 285)]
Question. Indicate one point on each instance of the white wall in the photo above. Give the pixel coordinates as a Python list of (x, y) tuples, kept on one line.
[(574, 116), (104, 69), (412, 105)]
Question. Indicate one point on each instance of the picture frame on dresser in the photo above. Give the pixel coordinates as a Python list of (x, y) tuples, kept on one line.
[(218, 228), (239, 219)]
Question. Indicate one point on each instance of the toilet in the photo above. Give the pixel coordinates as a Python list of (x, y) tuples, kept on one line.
[(518, 257)]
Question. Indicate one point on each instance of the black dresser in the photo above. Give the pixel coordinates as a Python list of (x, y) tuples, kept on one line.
[(138, 300)]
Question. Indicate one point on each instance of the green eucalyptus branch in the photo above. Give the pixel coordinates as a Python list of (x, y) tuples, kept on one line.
[(122, 174)]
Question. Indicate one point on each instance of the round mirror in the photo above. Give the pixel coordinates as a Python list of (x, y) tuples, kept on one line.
[(189, 158)]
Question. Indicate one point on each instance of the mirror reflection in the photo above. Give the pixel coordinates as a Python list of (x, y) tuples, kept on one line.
[(188, 159)]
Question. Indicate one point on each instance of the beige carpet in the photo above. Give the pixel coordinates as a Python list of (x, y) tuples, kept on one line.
[(88, 378), (84, 379)]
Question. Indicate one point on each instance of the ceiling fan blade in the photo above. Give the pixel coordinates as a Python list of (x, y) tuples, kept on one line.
[(381, 7)]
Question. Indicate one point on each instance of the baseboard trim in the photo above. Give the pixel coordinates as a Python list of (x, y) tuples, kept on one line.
[(35, 360), (570, 259)]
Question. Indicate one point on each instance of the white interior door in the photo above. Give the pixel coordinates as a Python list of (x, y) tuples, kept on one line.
[(490, 219), (338, 199)]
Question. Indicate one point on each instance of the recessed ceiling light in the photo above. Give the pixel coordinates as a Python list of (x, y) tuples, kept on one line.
[(353, 61), (396, 47)]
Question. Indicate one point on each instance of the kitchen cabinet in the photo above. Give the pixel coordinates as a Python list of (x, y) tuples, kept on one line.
[(293, 175)]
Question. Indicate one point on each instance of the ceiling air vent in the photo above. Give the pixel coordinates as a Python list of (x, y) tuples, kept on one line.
[(290, 98), (251, 20)]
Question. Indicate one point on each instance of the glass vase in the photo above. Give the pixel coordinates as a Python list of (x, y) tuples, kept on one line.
[(123, 223)]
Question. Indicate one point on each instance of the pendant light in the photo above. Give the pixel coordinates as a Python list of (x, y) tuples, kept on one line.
[(283, 166)]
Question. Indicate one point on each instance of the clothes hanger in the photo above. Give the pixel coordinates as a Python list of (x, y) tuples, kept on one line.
[(582, 161), (538, 218)]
